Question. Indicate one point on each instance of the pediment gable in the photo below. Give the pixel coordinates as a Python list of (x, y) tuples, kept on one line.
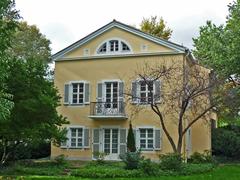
[(123, 35)]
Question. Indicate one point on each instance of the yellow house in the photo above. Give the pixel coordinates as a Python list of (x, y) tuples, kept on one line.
[(93, 76)]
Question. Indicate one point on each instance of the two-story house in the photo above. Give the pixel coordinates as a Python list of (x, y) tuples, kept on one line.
[(93, 76)]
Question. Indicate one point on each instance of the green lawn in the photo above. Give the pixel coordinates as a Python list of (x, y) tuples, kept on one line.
[(222, 172)]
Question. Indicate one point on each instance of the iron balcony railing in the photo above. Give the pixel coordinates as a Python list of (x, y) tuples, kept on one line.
[(107, 109)]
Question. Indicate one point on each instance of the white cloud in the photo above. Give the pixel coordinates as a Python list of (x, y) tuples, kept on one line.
[(66, 21)]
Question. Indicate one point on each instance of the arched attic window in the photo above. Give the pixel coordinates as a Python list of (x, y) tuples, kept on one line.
[(113, 46)]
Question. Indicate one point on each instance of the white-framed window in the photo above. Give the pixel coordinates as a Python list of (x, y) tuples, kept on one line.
[(76, 137), (146, 139), (114, 46), (102, 49), (146, 91), (77, 93)]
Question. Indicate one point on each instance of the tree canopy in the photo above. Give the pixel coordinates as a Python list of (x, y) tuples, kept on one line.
[(156, 27), (218, 48), (29, 43), (8, 23)]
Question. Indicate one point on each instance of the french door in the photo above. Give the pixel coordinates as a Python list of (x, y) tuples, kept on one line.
[(111, 95), (111, 142)]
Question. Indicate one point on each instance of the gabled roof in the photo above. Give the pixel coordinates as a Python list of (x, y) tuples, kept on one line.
[(112, 24)]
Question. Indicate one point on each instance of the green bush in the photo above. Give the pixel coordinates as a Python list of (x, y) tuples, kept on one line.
[(61, 159), (30, 151), (131, 159), (150, 168), (198, 158), (226, 142), (106, 172), (171, 161)]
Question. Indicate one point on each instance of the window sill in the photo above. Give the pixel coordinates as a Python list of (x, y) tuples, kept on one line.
[(76, 105)]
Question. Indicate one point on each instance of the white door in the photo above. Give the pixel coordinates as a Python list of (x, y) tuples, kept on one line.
[(111, 143), (111, 97)]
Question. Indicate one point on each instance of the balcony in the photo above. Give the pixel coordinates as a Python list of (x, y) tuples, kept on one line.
[(107, 110)]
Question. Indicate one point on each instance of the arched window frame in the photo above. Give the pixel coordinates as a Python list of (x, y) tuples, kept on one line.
[(108, 49)]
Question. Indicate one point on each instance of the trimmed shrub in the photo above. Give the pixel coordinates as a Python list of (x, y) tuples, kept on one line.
[(171, 161), (132, 159), (106, 172), (131, 140)]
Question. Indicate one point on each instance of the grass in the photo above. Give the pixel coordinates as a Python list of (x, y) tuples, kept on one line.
[(51, 170)]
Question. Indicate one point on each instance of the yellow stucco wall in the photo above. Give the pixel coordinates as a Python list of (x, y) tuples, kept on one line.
[(123, 68)]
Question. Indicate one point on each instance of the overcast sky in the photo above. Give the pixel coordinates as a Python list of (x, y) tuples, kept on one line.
[(66, 21)]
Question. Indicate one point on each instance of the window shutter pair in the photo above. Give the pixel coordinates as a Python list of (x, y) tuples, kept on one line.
[(157, 139), (67, 93), (136, 91)]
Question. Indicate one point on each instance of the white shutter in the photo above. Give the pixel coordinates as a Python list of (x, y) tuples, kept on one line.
[(96, 142), (86, 138), (100, 92), (135, 92), (137, 138), (157, 91), (66, 99), (123, 141), (86, 93), (158, 139)]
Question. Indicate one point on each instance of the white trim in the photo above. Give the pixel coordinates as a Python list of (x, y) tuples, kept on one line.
[(108, 52)]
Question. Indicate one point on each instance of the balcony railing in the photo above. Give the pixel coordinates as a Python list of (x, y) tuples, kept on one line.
[(106, 110)]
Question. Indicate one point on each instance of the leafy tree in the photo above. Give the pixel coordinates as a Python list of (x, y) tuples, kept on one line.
[(8, 24), (130, 139), (156, 27), (34, 117), (30, 43), (218, 48)]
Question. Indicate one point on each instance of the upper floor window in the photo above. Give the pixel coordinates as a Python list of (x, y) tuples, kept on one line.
[(76, 93), (145, 92), (113, 46)]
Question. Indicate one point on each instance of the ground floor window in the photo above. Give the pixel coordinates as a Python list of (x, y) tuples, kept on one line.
[(146, 139), (76, 137)]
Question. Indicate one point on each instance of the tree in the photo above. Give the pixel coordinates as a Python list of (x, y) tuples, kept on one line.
[(34, 117), (185, 101), (8, 24), (131, 140), (29, 43), (156, 27), (218, 48)]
